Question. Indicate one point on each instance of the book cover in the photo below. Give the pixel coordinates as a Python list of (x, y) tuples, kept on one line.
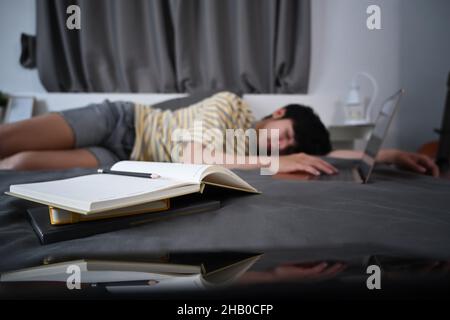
[(48, 233), (60, 216)]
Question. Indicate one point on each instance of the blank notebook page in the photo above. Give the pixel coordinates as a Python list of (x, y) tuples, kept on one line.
[(177, 171), (94, 188)]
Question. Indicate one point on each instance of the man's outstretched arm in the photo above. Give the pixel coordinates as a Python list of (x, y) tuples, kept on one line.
[(298, 162)]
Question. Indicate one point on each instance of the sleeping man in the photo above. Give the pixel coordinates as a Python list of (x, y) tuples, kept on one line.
[(101, 134)]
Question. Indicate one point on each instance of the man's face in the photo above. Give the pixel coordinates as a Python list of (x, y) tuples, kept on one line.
[(285, 128)]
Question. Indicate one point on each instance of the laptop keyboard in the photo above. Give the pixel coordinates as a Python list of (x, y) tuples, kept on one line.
[(343, 175)]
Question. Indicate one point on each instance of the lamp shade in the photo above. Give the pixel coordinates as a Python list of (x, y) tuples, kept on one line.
[(354, 96)]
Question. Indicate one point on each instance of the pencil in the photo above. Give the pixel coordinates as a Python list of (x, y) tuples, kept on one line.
[(130, 174)]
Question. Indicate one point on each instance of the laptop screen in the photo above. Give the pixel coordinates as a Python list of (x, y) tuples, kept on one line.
[(378, 134)]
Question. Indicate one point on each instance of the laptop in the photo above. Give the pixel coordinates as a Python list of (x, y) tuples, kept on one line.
[(361, 172), (443, 151)]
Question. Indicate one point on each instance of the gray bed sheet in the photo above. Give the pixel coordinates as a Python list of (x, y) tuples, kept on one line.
[(399, 214)]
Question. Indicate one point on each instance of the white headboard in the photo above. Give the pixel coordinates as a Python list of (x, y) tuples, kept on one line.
[(261, 104)]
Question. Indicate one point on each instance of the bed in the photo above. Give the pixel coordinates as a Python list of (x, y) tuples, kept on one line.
[(399, 213)]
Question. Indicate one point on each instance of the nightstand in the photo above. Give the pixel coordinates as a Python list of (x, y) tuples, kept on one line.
[(344, 136)]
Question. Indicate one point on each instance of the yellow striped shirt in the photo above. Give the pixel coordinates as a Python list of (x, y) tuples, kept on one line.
[(155, 127)]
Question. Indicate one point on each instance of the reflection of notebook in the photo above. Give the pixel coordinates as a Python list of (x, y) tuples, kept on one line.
[(119, 276), (362, 171)]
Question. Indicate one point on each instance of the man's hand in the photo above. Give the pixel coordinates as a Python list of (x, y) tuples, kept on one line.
[(305, 271), (411, 161), (294, 272), (305, 163)]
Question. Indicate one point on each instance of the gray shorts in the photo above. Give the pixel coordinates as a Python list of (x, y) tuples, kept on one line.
[(105, 129)]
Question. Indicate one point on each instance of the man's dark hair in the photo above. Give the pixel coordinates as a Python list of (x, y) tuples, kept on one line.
[(311, 136)]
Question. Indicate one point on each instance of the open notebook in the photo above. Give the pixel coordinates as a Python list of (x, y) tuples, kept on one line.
[(101, 192)]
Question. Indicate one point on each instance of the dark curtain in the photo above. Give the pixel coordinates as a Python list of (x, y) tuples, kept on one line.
[(255, 46)]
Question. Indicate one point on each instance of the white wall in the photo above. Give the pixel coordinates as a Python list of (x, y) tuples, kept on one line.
[(410, 51), (424, 66), (342, 46), (16, 16)]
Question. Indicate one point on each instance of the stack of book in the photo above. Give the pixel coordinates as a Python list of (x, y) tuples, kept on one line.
[(128, 194)]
